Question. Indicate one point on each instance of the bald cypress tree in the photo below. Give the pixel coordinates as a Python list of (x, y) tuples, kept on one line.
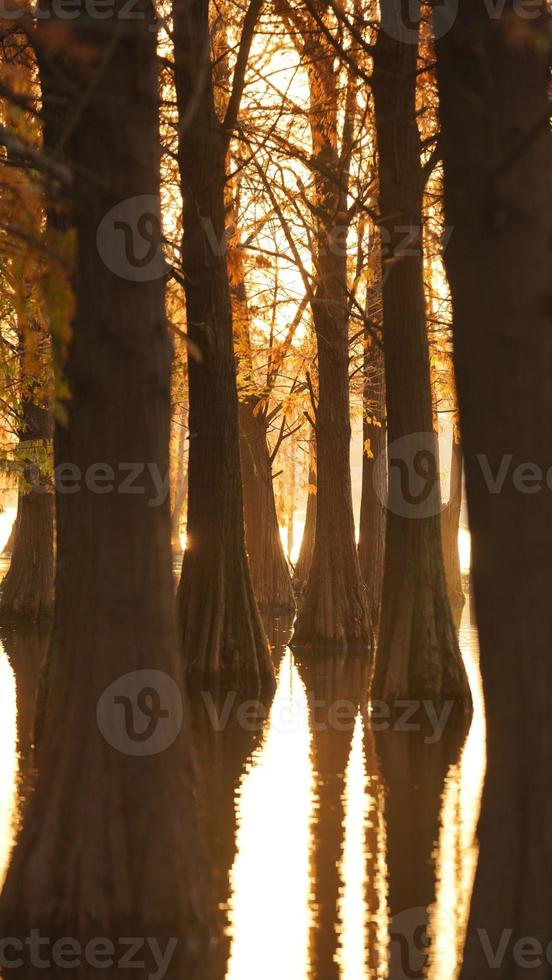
[(222, 632), (494, 102), (109, 843)]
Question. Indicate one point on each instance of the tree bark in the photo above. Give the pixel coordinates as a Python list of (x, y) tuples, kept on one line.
[(334, 611), (371, 542), (450, 524), (28, 588), (269, 568), (180, 484), (304, 560), (109, 845), (493, 81), (418, 653), (222, 632), (270, 574)]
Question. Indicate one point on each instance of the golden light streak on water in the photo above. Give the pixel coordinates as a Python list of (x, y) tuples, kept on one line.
[(270, 906), (381, 916), (9, 762), (352, 912)]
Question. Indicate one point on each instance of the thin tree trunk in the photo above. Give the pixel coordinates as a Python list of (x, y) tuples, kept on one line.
[(371, 543), (450, 524), (109, 845), (334, 611), (222, 632), (303, 564), (290, 530), (181, 485), (269, 567), (418, 653), (494, 84), (28, 588)]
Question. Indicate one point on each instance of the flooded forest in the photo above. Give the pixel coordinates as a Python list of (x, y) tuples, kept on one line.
[(275, 490)]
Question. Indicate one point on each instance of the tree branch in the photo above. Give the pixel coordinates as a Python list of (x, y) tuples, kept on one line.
[(238, 82)]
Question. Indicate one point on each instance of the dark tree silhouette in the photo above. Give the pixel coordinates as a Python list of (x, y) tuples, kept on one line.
[(418, 653), (333, 612), (222, 632), (493, 83), (100, 852)]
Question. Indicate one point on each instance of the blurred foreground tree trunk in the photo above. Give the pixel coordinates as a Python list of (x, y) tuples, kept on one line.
[(418, 653), (493, 83), (222, 632), (109, 845)]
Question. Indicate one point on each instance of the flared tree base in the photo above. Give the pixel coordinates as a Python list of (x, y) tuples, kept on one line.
[(223, 639)]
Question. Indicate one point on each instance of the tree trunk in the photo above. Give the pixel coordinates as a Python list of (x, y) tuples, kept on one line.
[(334, 611), (418, 653), (28, 588), (109, 845), (222, 632), (450, 523), (290, 529), (304, 560), (268, 564), (493, 82), (371, 543), (180, 485)]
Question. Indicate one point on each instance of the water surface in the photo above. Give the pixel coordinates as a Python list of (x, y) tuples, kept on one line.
[(338, 851)]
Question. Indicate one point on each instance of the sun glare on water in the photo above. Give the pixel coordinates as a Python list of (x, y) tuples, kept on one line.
[(270, 905)]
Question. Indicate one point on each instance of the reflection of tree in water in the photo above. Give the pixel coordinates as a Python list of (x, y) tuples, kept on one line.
[(336, 687), (414, 771), (278, 628), (225, 736), (26, 649)]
